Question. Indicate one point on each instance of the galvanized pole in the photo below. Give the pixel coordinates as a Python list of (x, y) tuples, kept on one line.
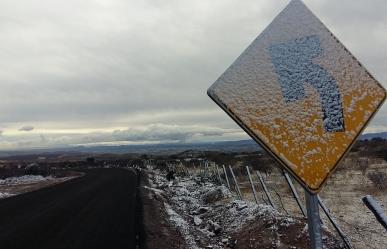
[(225, 175), (236, 183), (376, 209), (314, 225), (217, 171), (294, 191), (265, 188), (332, 220), (252, 185)]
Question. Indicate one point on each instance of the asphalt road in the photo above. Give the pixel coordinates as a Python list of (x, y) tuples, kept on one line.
[(96, 211)]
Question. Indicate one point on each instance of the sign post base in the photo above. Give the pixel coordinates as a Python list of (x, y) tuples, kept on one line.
[(314, 225)]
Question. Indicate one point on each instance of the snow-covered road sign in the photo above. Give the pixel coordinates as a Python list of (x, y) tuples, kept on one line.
[(301, 94)]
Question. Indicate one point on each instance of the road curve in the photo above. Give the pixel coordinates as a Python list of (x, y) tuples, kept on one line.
[(96, 211)]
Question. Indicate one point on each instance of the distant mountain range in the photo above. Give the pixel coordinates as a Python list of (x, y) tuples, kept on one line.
[(160, 149), (373, 135)]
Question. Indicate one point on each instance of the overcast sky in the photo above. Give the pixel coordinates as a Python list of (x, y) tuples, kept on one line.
[(125, 71)]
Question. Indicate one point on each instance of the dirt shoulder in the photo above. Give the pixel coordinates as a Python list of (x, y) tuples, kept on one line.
[(158, 231)]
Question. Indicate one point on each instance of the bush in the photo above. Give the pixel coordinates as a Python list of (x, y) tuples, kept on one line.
[(379, 179), (363, 164)]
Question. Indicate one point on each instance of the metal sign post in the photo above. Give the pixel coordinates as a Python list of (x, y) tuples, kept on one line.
[(252, 185), (314, 225)]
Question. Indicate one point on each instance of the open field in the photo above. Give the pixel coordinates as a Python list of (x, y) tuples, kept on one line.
[(342, 195)]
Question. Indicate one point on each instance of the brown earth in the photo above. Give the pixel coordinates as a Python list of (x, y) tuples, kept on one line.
[(256, 234), (158, 232)]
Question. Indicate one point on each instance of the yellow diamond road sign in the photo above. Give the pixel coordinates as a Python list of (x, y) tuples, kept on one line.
[(301, 94)]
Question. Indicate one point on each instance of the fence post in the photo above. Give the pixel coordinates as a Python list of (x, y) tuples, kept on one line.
[(217, 171), (206, 168), (265, 188), (294, 192), (332, 220), (252, 185), (236, 183), (225, 175)]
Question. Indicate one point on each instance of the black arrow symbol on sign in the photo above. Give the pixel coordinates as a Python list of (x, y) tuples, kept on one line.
[(294, 67)]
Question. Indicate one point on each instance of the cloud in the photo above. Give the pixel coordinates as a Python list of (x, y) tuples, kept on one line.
[(162, 132), (26, 128), (154, 133), (90, 65)]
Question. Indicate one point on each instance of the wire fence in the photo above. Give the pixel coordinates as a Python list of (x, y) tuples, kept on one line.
[(357, 228)]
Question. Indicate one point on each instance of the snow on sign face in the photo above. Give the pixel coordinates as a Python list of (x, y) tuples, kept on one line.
[(301, 94)]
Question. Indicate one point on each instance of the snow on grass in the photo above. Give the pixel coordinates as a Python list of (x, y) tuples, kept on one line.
[(208, 223), (5, 195), (240, 212), (158, 191), (26, 179)]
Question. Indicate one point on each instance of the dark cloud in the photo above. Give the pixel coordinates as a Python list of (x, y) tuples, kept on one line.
[(161, 132), (26, 128)]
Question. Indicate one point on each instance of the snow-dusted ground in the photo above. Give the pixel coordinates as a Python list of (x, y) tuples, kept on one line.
[(16, 185), (197, 221), (5, 195), (26, 179), (210, 220)]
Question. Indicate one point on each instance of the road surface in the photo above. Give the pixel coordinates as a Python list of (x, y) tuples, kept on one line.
[(96, 211)]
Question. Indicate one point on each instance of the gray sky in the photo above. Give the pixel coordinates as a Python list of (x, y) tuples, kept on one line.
[(102, 71)]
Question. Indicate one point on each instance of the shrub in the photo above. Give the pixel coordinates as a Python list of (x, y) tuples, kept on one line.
[(379, 179)]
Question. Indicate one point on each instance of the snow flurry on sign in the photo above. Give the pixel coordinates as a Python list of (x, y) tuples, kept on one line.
[(301, 94)]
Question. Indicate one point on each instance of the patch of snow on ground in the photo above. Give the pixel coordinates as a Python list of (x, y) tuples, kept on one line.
[(206, 223), (5, 195), (26, 179)]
